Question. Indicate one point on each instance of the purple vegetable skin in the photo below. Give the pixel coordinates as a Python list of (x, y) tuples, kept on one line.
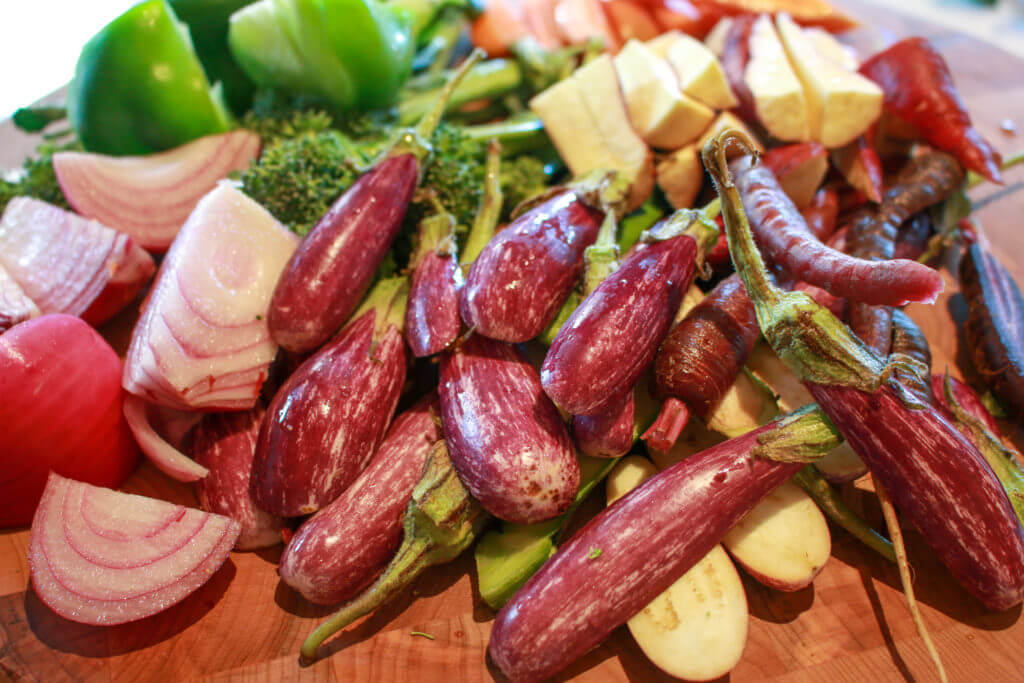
[(629, 554), (326, 421), (225, 444), (432, 320), (524, 274), (612, 337), (608, 433), (345, 546), (506, 439), (941, 483), (333, 267)]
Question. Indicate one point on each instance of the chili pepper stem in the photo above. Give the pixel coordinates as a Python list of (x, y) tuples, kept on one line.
[(891, 521)]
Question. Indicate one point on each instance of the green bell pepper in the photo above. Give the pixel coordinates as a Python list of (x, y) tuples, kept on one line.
[(354, 53), (207, 21), (139, 87)]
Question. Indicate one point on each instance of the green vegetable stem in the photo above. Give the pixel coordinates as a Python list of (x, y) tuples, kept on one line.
[(440, 522), (140, 88)]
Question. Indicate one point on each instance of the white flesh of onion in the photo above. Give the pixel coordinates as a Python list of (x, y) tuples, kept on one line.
[(166, 457), (102, 557)]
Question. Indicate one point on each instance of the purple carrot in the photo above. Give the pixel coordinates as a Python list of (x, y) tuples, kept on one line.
[(611, 339), (324, 424), (783, 234), (702, 355), (341, 549), (334, 265), (521, 278), (634, 550), (225, 444), (938, 479), (506, 439), (912, 238)]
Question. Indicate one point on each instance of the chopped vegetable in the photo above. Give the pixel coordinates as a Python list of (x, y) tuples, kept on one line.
[(120, 557), (139, 86)]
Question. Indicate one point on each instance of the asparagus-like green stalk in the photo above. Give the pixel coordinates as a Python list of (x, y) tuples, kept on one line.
[(816, 486), (507, 558), (517, 134), (416, 140), (1004, 461), (492, 78), (441, 521), (487, 217)]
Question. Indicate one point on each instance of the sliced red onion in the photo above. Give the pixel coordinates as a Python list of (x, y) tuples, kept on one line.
[(69, 264), (202, 341), (15, 306), (162, 454), (150, 197), (102, 557)]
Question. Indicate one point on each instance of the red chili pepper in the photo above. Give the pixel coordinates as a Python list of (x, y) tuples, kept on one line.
[(919, 89), (822, 213)]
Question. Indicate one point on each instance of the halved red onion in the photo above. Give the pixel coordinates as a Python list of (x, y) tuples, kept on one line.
[(202, 342), (103, 557), (150, 197), (162, 454), (15, 306), (69, 264)]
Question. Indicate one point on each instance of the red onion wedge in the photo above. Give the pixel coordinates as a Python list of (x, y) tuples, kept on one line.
[(150, 197), (202, 341), (69, 264), (15, 306), (225, 443), (60, 410), (102, 557), (165, 456)]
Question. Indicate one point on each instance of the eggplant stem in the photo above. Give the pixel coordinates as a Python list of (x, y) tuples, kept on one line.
[(891, 521)]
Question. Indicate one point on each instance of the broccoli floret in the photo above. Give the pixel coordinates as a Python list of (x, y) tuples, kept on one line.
[(36, 178), (522, 178)]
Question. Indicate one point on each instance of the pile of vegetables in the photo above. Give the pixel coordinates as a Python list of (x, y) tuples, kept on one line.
[(412, 301)]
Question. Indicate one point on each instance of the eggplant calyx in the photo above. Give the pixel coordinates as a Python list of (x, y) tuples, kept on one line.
[(442, 520), (387, 300), (804, 436)]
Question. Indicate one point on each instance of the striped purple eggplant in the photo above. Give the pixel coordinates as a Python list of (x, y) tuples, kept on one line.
[(967, 399), (634, 550), (702, 355), (325, 422), (334, 265), (432, 320), (995, 326), (506, 439), (524, 274), (941, 483), (610, 432), (341, 549), (225, 444), (612, 337)]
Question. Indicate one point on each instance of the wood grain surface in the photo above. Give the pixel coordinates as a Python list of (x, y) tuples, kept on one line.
[(850, 625)]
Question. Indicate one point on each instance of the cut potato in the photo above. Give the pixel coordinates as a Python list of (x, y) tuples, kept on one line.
[(631, 471), (586, 118), (697, 628), (715, 39), (779, 97), (842, 465), (800, 168), (699, 73), (694, 295), (784, 541), (662, 115), (831, 49), (680, 176), (694, 439), (841, 104), (660, 45), (748, 404), (727, 120)]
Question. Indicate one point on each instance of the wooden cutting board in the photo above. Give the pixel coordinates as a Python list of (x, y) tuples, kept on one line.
[(851, 625)]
